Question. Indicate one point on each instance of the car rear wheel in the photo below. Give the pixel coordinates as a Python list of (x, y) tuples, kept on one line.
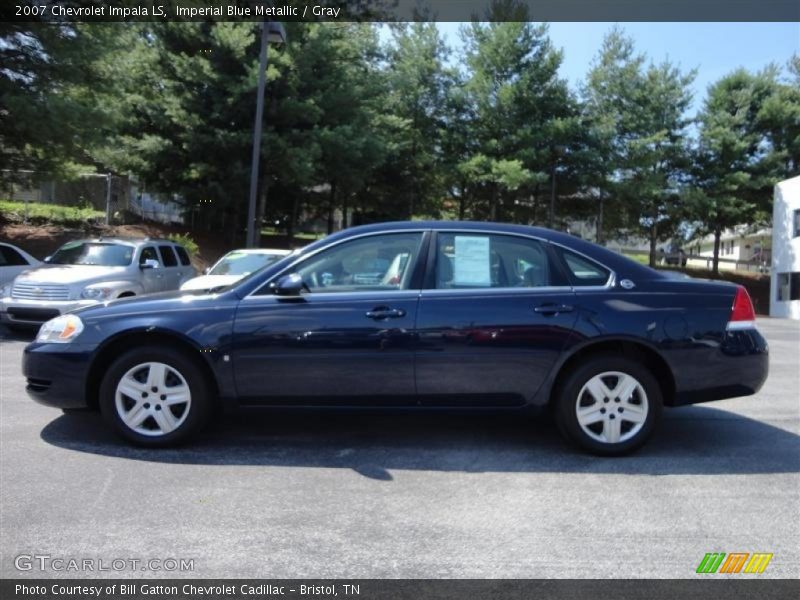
[(609, 405), (155, 397)]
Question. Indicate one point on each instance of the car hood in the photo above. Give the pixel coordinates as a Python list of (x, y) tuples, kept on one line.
[(68, 274), (206, 282), (153, 307)]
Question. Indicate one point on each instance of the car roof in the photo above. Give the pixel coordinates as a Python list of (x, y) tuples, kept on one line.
[(259, 251), (123, 240)]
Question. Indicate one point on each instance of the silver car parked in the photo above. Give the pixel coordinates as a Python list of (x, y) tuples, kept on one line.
[(89, 271)]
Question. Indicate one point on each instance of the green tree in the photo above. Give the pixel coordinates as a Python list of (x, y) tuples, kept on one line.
[(731, 178), (516, 100), (50, 87), (778, 119), (608, 97), (418, 85), (657, 157)]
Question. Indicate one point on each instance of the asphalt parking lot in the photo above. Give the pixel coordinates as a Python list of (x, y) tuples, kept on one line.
[(373, 496)]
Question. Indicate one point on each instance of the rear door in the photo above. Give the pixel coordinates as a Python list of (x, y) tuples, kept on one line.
[(186, 270), (172, 268), (492, 321)]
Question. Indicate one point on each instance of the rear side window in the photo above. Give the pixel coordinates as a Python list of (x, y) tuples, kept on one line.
[(476, 260), (183, 256), (168, 256), (583, 271)]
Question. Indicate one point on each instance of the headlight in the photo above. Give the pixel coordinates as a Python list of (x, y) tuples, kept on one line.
[(5, 290), (96, 293), (60, 330)]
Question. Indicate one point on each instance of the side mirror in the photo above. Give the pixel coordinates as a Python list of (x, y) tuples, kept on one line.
[(47, 259), (150, 263), (206, 270), (289, 285)]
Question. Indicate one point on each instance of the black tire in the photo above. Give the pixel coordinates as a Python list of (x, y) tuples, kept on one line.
[(199, 408), (77, 411), (567, 400)]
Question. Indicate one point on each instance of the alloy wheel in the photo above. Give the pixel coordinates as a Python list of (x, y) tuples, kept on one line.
[(612, 407), (153, 399)]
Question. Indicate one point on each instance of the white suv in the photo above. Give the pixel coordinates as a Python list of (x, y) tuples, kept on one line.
[(89, 271)]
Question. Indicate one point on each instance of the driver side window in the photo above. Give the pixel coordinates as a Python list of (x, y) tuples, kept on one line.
[(148, 253), (374, 263)]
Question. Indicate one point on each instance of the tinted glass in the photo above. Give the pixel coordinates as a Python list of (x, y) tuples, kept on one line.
[(242, 263), (582, 271), (93, 253), (183, 256), (149, 253), (10, 257), (380, 262), (475, 260), (168, 256)]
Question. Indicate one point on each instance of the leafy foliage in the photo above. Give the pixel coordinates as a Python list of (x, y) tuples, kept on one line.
[(55, 214), (368, 124), (185, 240)]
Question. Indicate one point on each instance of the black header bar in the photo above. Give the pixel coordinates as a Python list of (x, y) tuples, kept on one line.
[(729, 588), (400, 10)]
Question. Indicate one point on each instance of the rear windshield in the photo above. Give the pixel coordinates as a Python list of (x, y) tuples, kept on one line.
[(93, 253)]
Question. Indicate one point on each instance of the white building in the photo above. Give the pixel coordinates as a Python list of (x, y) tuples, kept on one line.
[(739, 248), (784, 296)]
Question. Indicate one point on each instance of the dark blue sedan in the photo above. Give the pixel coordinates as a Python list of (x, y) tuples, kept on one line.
[(419, 314)]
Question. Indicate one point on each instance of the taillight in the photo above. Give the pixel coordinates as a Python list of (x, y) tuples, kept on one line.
[(742, 314)]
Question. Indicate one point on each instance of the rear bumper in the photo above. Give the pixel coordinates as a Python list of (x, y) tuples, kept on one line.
[(33, 313), (57, 373), (739, 366)]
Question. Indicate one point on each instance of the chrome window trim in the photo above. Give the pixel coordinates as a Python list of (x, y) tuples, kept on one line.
[(607, 285), (612, 277), (333, 245), (514, 290), (496, 291)]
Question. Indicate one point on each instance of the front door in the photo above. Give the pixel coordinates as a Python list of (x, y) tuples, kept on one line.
[(348, 339), (492, 322), (152, 278)]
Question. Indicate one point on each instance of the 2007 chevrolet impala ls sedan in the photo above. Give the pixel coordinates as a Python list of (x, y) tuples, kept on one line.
[(419, 314)]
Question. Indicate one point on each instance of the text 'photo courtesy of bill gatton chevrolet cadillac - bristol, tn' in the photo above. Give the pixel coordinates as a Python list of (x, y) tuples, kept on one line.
[(409, 315)]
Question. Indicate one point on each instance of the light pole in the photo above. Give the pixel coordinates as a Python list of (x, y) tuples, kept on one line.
[(271, 31), (108, 198)]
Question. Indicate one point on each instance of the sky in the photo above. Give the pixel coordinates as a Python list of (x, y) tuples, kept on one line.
[(714, 49)]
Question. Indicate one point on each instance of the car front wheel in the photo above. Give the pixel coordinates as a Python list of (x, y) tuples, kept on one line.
[(609, 405), (155, 397)]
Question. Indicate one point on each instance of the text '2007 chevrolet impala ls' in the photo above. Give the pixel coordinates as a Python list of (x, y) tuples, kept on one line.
[(418, 314)]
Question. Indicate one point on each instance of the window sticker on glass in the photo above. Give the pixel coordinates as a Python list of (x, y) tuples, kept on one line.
[(472, 265)]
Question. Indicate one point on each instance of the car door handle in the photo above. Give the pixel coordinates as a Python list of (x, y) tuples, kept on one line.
[(384, 312), (552, 308)]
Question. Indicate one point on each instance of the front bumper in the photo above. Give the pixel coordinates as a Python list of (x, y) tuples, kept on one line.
[(35, 312), (57, 373)]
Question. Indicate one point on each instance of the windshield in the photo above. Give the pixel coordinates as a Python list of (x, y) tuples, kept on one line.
[(93, 253), (242, 263)]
